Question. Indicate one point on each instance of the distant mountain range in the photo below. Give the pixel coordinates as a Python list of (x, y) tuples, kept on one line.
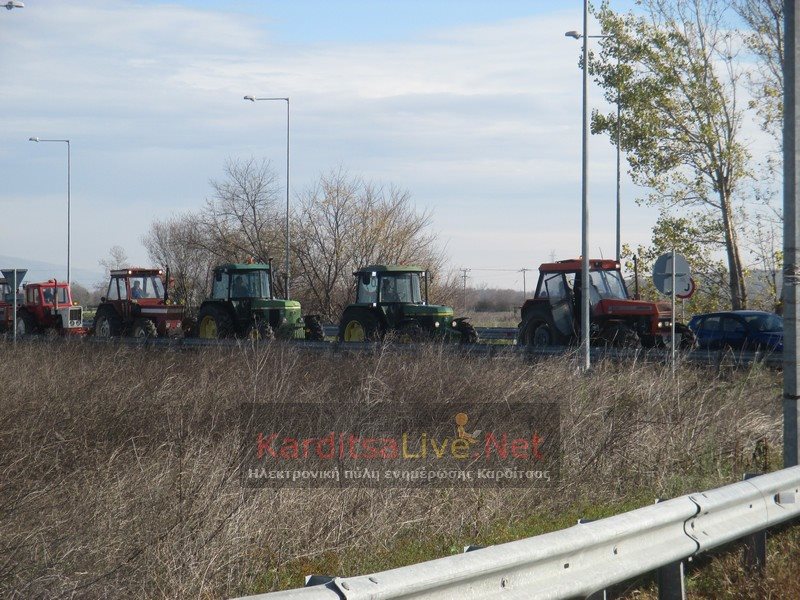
[(41, 271)]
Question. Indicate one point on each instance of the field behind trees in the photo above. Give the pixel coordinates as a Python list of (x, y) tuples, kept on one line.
[(120, 479)]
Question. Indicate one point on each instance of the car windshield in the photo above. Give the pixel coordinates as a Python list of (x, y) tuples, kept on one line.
[(401, 287), (608, 284), (146, 286), (250, 284), (59, 293), (763, 323)]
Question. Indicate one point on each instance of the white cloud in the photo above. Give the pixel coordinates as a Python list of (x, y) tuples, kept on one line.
[(151, 98)]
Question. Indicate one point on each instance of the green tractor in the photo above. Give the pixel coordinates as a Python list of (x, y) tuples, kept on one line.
[(389, 299), (242, 305)]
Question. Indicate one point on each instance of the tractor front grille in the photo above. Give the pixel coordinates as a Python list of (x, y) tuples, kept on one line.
[(75, 317)]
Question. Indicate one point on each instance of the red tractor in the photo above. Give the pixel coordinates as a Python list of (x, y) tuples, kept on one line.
[(7, 306), (47, 308), (552, 316), (137, 304)]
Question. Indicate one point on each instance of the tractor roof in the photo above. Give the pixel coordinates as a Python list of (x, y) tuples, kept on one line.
[(137, 272), (50, 283), (391, 269), (574, 264), (243, 267)]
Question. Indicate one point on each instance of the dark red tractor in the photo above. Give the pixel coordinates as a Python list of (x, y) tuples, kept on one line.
[(137, 304), (552, 316), (47, 308), (7, 306)]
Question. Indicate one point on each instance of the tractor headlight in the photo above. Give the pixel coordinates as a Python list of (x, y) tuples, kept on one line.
[(436, 323), (454, 324)]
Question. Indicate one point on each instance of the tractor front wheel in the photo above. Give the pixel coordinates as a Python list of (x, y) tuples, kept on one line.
[(214, 323), (619, 335), (469, 335), (535, 333), (144, 329), (410, 333), (314, 330), (688, 339), (107, 323), (260, 331)]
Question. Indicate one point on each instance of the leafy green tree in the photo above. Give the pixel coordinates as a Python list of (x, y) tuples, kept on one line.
[(677, 79), (690, 237), (765, 41)]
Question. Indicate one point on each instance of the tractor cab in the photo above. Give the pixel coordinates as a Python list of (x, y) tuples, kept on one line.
[(47, 307), (242, 304), (552, 317), (395, 298)]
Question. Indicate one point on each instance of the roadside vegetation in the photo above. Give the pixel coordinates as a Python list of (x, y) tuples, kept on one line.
[(119, 465)]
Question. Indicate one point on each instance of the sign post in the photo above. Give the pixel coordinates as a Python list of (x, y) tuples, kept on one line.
[(671, 275), (672, 320)]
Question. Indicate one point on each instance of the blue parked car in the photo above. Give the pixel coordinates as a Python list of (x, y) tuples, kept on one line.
[(739, 330)]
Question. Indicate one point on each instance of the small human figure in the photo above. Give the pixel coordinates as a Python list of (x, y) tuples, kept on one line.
[(136, 291), (48, 296), (240, 288), (390, 291)]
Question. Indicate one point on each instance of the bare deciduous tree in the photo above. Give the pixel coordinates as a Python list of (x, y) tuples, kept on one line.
[(345, 223)]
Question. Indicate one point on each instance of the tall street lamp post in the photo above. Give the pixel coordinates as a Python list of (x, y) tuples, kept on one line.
[(254, 99), (577, 36), (69, 194)]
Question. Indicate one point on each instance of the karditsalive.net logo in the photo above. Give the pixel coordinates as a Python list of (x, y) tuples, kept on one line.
[(411, 444)]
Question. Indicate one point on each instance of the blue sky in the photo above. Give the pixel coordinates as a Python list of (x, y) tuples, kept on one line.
[(473, 106)]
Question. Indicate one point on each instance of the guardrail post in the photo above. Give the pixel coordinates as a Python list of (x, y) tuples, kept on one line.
[(755, 553), (670, 582), (601, 595), (754, 556)]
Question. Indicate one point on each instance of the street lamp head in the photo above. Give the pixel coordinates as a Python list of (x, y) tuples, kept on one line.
[(33, 139), (251, 98), (573, 34)]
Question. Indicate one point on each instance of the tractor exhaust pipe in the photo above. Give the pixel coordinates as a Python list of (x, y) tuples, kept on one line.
[(635, 277), (271, 283), (166, 285)]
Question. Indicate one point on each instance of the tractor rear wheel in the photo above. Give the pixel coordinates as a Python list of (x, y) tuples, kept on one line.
[(469, 334), (214, 323), (107, 323), (144, 329), (313, 328), (26, 324), (359, 327)]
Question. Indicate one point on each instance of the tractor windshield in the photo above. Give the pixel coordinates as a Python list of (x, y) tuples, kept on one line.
[(250, 284), (49, 294), (146, 286), (608, 284), (401, 287)]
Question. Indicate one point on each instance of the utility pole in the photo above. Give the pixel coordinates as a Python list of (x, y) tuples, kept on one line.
[(791, 240), (464, 277), (524, 283)]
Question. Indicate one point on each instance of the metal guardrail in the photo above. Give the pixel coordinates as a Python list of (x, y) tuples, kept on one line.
[(584, 560), (484, 333), (713, 358)]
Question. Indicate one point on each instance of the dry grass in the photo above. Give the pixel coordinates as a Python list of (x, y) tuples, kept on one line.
[(119, 465)]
